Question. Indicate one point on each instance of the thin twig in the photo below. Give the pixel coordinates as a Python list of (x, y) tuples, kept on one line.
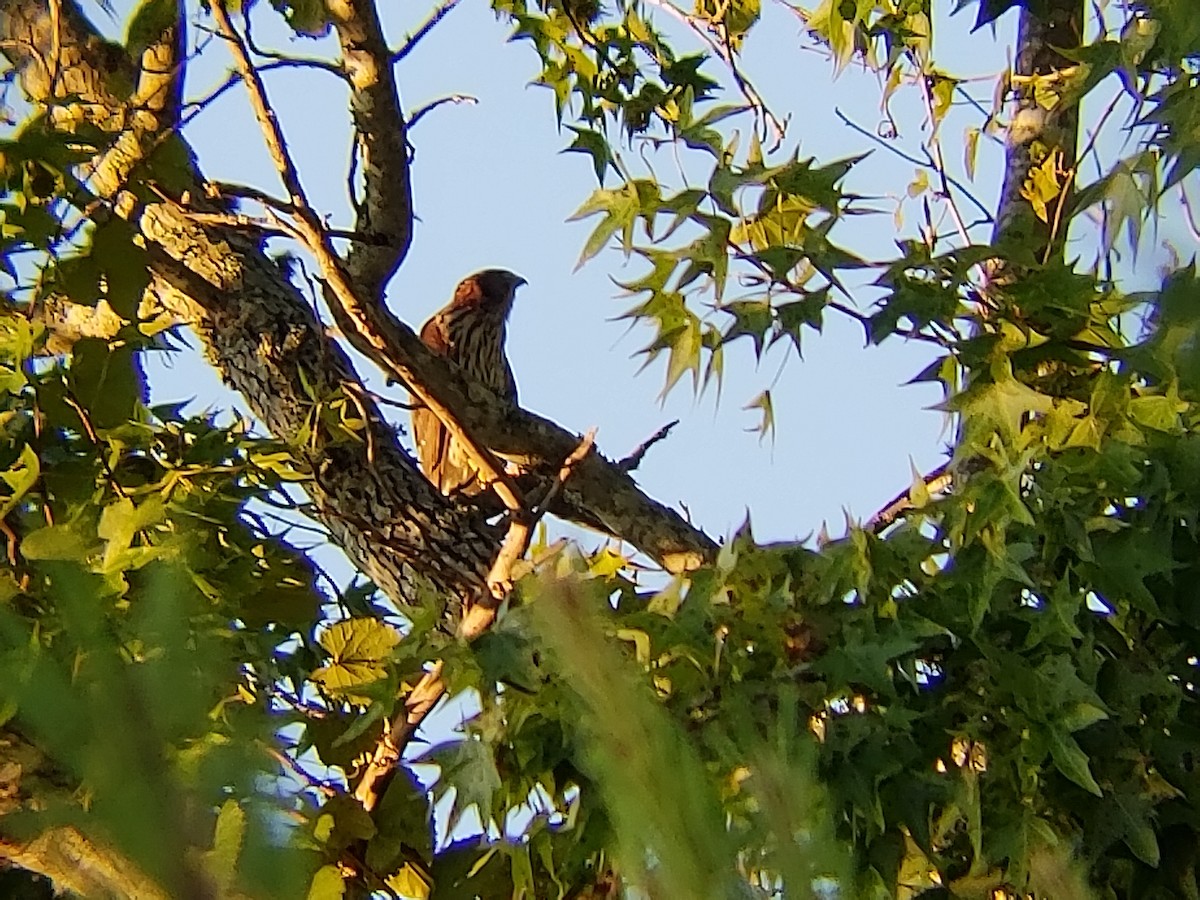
[(915, 160), (938, 481), (388, 401), (226, 190), (410, 43), (939, 161), (279, 59), (198, 105), (479, 617), (422, 111), (308, 62), (564, 472), (634, 459), (723, 50), (290, 763), (90, 431)]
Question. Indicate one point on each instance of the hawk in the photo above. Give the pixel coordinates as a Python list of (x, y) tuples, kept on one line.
[(468, 331)]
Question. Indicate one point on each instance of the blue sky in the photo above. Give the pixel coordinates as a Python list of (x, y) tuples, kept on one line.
[(492, 188)]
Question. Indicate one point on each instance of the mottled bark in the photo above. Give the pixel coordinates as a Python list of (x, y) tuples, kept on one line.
[(29, 782), (267, 343), (381, 142), (1038, 133)]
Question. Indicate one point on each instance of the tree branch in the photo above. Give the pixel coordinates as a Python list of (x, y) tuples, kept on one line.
[(939, 481), (315, 238), (267, 343), (634, 459), (399, 731), (480, 616), (719, 44), (381, 138), (426, 694), (1036, 134), (410, 43), (71, 860)]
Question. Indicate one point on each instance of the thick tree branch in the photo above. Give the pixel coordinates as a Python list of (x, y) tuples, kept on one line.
[(268, 344), (315, 238), (396, 349), (266, 341), (1039, 137), (71, 860), (381, 136)]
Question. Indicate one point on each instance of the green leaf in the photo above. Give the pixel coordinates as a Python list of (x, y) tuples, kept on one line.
[(404, 824), (358, 650), (103, 380), (331, 736), (121, 520), (1137, 826), (227, 844), (327, 884), (595, 145), (1177, 111), (684, 344), (1002, 404), (410, 882), (359, 639), (20, 478), (1081, 715), (308, 18), (56, 542), (971, 151), (1158, 411), (124, 263), (470, 768), (751, 318), (1071, 760), (766, 407), (620, 208), (148, 22)]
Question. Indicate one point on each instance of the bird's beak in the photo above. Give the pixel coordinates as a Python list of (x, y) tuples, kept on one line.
[(518, 281)]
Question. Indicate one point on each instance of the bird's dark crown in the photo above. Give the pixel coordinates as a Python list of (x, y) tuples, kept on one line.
[(498, 283)]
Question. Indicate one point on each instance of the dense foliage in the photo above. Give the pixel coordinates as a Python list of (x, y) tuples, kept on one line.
[(995, 692)]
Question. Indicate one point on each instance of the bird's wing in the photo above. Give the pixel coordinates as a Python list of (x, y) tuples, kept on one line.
[(431, 437), (509, 391), (444, 463)]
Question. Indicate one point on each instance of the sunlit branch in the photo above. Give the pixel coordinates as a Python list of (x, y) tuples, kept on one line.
[(316, 240), (939, 481), (521, 524)]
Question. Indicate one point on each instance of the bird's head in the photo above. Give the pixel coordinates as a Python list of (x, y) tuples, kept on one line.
[(492, 290)]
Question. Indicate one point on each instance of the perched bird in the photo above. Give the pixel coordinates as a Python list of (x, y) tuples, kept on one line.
[(468, 331)]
